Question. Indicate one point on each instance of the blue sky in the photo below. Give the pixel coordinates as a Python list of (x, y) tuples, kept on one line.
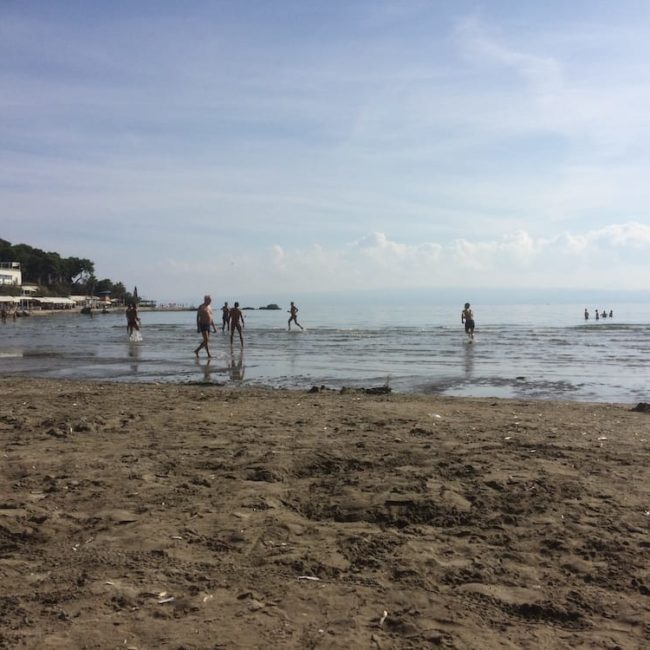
[(260, 147)]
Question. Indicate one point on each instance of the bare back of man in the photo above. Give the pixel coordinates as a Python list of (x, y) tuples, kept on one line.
[(236, 323), (467, 317)]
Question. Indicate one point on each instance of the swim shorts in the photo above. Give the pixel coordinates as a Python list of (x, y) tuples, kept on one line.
[(469, 325)]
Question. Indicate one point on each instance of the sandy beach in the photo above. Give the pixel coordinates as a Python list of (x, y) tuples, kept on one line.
[(197, 516)]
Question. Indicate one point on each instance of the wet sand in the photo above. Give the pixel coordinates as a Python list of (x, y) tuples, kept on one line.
[(166, 516)]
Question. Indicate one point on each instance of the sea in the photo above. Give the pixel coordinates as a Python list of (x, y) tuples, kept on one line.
[(524, 351)]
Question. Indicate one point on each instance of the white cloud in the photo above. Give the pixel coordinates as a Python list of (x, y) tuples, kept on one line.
[(517, 248), (609, 257), (627, 237), (278, 256), (543, 72)]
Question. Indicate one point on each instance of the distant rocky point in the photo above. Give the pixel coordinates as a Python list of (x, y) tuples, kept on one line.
[(272, 306)]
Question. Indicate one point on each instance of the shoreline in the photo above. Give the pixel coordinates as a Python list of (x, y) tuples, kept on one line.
[(180, 515), (98, 312), (506, 363)]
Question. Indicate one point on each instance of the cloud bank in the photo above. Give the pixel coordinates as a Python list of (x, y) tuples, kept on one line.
[(611, 258)]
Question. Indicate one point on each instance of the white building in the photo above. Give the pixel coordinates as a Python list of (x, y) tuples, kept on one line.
[(10, 274)]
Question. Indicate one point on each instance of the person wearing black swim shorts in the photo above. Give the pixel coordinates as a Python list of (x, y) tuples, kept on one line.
[(467, 317), (204, 323)]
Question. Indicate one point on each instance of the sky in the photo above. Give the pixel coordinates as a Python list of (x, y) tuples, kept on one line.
[(270, 147)]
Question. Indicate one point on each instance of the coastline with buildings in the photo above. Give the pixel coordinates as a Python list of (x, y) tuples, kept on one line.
[(25, 298)]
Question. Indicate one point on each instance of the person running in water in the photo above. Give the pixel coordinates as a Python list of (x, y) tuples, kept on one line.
[(225, 317), (293, 317), (467, 317), (204, 322), (236, 323)]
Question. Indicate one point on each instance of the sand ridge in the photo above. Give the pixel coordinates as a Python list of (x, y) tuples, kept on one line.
[(167, 516)]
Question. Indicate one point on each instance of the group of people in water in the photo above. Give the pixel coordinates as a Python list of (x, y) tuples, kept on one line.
[(232, 320), (598, 315)]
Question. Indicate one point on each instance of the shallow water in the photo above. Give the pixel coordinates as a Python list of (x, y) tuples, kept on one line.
[(523, 351)]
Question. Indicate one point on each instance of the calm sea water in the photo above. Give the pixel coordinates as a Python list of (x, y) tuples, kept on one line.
[(523, 351)]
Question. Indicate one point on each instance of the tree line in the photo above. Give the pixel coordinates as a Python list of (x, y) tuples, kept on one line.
[(56, 275)]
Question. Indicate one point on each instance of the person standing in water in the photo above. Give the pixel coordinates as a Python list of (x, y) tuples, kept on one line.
[(236, 323), (132, 319), (293, 311), (467, 317), (204, 322), (225, 317), (586, 314)]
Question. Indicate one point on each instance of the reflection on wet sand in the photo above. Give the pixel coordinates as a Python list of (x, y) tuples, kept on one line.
[(134, 355), (206, 368), (468, 361), (236, 366)]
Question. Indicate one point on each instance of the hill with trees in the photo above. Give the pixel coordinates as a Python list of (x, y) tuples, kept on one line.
[(57, 275)]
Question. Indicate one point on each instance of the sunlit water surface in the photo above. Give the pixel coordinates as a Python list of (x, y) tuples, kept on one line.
[(523, 351)]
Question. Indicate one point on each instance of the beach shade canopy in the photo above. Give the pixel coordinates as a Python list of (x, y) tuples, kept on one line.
[(54, 301)]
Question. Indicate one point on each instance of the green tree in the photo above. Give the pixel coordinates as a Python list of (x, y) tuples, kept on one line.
[(56, 274), (77, 270), (104, 285), (119, 291)]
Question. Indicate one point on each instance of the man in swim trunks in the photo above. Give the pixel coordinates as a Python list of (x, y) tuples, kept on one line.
[(467, 317), (293, 317), (225, 317), (236, 323), (204, 322)]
